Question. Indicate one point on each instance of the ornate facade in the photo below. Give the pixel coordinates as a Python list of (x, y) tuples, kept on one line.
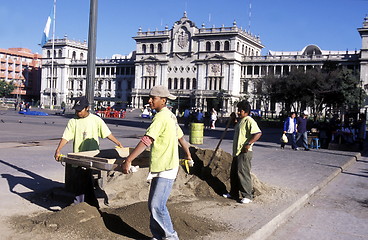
[(114, 77), (204, 67)]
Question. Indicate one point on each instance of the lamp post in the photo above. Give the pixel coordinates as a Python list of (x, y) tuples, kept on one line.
[(179, 92), (18, 91), (91, 56), (360, 94)]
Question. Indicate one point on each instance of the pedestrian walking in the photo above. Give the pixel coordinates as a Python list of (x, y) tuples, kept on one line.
[(302, 132), (290, 131), (163, 136), (84, 129), (198, 116), (186, 116), (246, 133), (213, 118)]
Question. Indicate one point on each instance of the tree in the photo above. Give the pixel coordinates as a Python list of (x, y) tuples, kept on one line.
[(332, 87), (6, 88)]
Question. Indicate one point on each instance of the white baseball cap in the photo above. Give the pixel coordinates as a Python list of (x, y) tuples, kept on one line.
[(161, 91)]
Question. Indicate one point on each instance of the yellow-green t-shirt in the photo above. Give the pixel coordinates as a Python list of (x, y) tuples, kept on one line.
[(86, 132), (243, 132), (165, 131)]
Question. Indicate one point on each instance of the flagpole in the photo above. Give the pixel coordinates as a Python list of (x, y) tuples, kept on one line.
[(52, 57)]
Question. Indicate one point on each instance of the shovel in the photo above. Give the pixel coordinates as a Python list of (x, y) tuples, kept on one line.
[(206, 171)]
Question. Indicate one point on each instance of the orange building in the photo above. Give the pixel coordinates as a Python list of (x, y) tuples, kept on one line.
[(22, 68)]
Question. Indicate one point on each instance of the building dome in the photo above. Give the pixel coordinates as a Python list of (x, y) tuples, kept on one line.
[(311, 50)]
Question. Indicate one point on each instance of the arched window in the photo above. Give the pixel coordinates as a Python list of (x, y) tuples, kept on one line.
[(246, 50), (208, 46), (170, 83), (181, 83), (227, 46), (187, 83), (194, 83), (152, 48), (60, 53), (81, 56), (217, 46), (48, 54), (237, 47), (74, 55), (175, 83), (144, 48), (243, 48), (159, 48)]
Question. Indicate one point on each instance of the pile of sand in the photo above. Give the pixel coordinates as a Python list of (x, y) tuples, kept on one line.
[(201, 182), (127, 216)]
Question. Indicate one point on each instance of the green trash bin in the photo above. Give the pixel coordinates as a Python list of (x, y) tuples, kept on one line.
[(196, 133)]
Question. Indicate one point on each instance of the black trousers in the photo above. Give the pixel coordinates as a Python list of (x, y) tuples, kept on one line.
[(80, 181)]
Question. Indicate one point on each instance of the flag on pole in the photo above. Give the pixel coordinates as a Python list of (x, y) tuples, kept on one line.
[(46, 30)]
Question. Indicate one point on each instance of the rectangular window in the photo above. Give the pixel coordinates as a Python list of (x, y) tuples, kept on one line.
[(263, 70), (278, 70), (256, 70), (249, 70)]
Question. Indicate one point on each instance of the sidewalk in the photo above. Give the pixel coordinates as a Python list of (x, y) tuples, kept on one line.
[(294, 175)]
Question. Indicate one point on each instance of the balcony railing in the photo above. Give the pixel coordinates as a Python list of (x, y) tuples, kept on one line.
[(300, 58)]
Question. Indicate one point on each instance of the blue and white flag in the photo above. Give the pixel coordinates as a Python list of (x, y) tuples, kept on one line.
[(46, 30)]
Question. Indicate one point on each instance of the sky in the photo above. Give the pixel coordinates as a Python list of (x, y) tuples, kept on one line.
[(283, 25)]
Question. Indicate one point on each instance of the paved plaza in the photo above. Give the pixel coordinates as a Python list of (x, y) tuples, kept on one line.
[(27, 144)]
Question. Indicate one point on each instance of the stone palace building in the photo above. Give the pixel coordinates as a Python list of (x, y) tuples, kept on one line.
[(205, 67)]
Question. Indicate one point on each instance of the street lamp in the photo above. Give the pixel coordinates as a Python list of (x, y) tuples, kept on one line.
[(179, 92), (360, 95)]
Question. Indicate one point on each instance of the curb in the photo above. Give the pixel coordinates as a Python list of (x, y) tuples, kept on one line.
[(266, 230)]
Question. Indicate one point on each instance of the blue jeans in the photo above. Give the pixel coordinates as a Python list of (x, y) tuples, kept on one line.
[(292, 140), (305, 139), (160, 222)]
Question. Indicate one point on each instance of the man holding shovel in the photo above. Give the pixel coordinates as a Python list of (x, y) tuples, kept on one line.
[(246, 133)]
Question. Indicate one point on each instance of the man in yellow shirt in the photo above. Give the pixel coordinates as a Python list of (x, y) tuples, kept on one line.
[(84, 129), (246, 133), (163, 136)]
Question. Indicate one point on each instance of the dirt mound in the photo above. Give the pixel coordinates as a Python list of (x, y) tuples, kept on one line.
[(201, 182), (127, 216), (83, 221)]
